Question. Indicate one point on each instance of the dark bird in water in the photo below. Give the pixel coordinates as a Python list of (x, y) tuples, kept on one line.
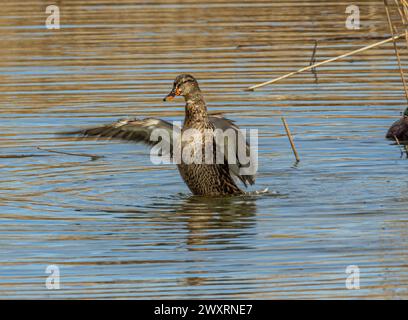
[(208, 179), (399, 129)]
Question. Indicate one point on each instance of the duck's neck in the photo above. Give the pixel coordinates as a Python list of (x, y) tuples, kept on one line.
[(196, 111)]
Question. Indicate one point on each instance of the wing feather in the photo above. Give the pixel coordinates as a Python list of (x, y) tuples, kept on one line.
[(133, 129), (222, 123)]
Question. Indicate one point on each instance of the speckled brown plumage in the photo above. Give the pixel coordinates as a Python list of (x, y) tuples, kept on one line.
[(202, 179)]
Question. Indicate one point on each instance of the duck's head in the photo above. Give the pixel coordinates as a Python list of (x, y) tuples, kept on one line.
[(405, 114), (184, 85)]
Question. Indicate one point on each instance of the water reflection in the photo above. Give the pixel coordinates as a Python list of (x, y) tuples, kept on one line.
[(218, 222)]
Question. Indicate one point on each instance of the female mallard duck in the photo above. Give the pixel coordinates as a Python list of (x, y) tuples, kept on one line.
[(209, 179), (399, 129)]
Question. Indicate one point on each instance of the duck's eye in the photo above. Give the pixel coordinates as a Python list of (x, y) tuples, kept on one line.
[(185, 81)]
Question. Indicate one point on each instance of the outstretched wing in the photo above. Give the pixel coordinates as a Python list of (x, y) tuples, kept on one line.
[(222, 123), (136, 130)]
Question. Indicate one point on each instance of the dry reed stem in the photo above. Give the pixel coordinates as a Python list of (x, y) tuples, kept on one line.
[(400, 146), (92, 156), (313, 61), (348, 54), (290, 139), (403, 12), (390, 24), (404, 16)]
